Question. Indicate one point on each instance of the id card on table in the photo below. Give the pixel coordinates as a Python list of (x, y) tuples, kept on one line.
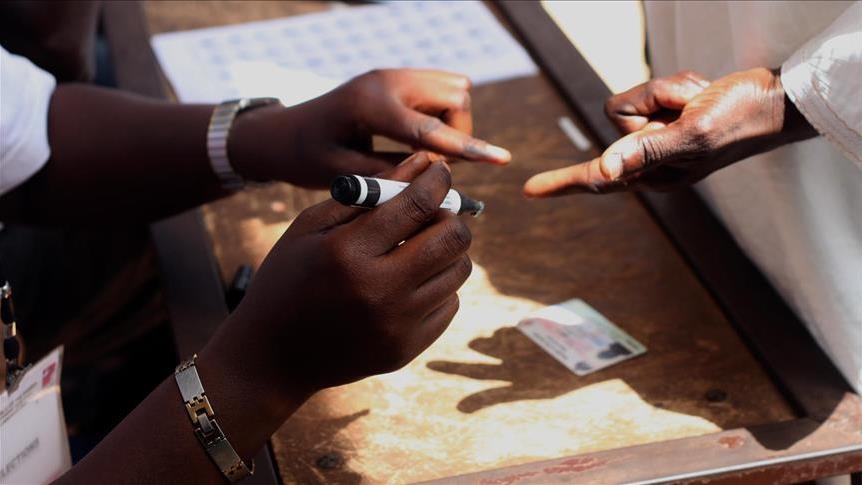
[(578, 336), (34, 447)]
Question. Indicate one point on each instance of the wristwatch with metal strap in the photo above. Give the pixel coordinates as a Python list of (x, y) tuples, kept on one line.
[(218, 134)]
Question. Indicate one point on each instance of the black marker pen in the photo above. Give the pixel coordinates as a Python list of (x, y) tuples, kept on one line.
[(369, 192)]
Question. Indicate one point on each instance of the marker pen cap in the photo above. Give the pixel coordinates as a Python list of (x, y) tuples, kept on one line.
[(470, 206), (345, 189), (366, 192)]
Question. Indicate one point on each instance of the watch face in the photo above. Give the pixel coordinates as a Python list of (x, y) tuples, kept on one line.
[(256, 102)]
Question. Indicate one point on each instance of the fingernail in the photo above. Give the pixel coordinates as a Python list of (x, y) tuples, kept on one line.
[(435, 157), (529, 189), (700, 82), (498, 153), (612, 165), (445, 165)]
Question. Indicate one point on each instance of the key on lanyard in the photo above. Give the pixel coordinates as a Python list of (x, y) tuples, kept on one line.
[(13, 361)]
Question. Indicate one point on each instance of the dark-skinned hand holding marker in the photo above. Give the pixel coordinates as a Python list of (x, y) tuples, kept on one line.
[(339, 298)]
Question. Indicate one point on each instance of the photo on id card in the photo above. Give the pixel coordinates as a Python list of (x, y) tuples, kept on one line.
[(579, 337)]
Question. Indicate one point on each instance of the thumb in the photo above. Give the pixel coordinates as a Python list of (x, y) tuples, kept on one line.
[(653, 146), (627, 156)]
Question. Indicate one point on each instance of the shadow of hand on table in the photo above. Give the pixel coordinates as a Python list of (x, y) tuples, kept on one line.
[(531, 374)]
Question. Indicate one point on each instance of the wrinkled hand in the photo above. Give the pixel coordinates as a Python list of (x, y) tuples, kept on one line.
[(311, 143), (339, 298), (681, 128)]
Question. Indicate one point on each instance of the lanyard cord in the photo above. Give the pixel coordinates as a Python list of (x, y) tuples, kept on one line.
[(11, 339)]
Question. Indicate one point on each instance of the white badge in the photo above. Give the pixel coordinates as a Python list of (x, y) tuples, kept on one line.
[(34, 447)]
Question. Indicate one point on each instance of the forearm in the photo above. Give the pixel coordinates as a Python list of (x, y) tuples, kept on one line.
[(117, 157), (794, 126), (156, 442)]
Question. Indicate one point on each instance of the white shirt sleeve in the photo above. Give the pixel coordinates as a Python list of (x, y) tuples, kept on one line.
[(822, 79), (25, 94)]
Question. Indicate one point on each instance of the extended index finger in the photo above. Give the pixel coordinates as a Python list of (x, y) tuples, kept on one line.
[(431, 133), (582, 177), (628, 156)]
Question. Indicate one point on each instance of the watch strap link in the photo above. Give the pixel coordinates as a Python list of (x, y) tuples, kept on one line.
[(217, 137), (207, 429)]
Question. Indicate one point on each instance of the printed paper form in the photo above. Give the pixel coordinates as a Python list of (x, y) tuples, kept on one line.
[(298, 58)]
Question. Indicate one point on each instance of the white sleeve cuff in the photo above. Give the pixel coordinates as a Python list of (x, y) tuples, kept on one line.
[(25, 96), (822, 80)]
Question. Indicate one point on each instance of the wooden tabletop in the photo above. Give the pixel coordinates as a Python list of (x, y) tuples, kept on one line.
[(484, 396)]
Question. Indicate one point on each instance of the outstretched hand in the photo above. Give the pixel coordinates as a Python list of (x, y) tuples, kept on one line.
[(681, 128), (311, 143)]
